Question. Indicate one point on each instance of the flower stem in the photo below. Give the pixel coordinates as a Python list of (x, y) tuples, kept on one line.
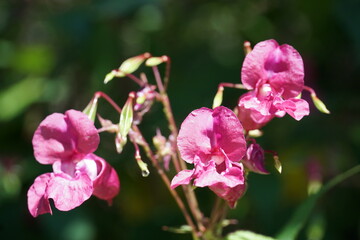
[(166, 180), (189, 193)]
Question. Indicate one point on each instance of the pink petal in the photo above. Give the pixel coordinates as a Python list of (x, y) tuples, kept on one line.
[(229, 133), (194, 134), (38, 202), (59, 137), (210, 177), (255, 159), (69, 193), (281, 66), (253, 66), (231, 195), (252, 113), (205, 130), (182, 178), (51, 140), (87, 137), (107, 183), (297, 108)]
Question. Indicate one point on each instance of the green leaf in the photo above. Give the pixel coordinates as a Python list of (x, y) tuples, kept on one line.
[(297, 222), (19, 96), (246, 235)]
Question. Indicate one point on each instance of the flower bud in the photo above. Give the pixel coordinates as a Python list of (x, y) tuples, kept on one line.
[(154, 61), (277, 164), (132, 64), (319, 104), (112, 74), (218, 97), (91, 108)]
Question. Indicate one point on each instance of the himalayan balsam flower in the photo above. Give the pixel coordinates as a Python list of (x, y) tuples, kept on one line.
[(68, 142), (275, 77), (213, 141)]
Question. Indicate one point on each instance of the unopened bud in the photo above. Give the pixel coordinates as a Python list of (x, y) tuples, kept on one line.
[(126, 116), (112, 74), (132, 64), (91, 108), (277, 164), (319, 104), (218, 97), (247, 47), (154, 61)]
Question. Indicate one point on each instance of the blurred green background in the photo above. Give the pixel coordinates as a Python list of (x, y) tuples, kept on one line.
[(54, 55)]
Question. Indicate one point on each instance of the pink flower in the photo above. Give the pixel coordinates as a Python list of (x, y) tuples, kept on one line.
[(255, 159), (213, 141), (68, 142), (275, 76)]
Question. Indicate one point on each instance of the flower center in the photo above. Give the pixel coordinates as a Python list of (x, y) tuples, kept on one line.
[(264, 91), (218, 159)]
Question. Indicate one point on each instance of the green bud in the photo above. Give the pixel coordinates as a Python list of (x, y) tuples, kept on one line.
[(218, 97), (112, 74), (277, 164), (154, 61), (319, 104), (126, 116), (132, 64), (91, 108)]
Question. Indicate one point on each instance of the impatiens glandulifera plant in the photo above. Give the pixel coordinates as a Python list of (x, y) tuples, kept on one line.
[(214, 148)]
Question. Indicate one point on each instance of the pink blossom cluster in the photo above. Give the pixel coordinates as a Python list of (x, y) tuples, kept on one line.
[(214, 141), (67, 141)]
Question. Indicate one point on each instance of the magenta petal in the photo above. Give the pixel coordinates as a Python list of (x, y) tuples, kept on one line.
[(38, 202), (252, 70), (87, 137), (210, 177), (205, 130), (193, 139), (255, 159), (229, 133), (281, 66), (252, 113), (231, 195), (51, 140), (107, 183), (183, 177), (60, 136), (69, 193), (297, 108)]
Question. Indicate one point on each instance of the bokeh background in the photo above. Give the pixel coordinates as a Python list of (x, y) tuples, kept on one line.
[(54, 55)]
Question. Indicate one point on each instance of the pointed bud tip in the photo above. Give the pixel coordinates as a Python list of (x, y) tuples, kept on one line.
[(277, 164), (320, 105)]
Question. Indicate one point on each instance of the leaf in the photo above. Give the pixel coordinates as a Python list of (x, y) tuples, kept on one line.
[(297, 222), (246, 235), (19, 96)]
